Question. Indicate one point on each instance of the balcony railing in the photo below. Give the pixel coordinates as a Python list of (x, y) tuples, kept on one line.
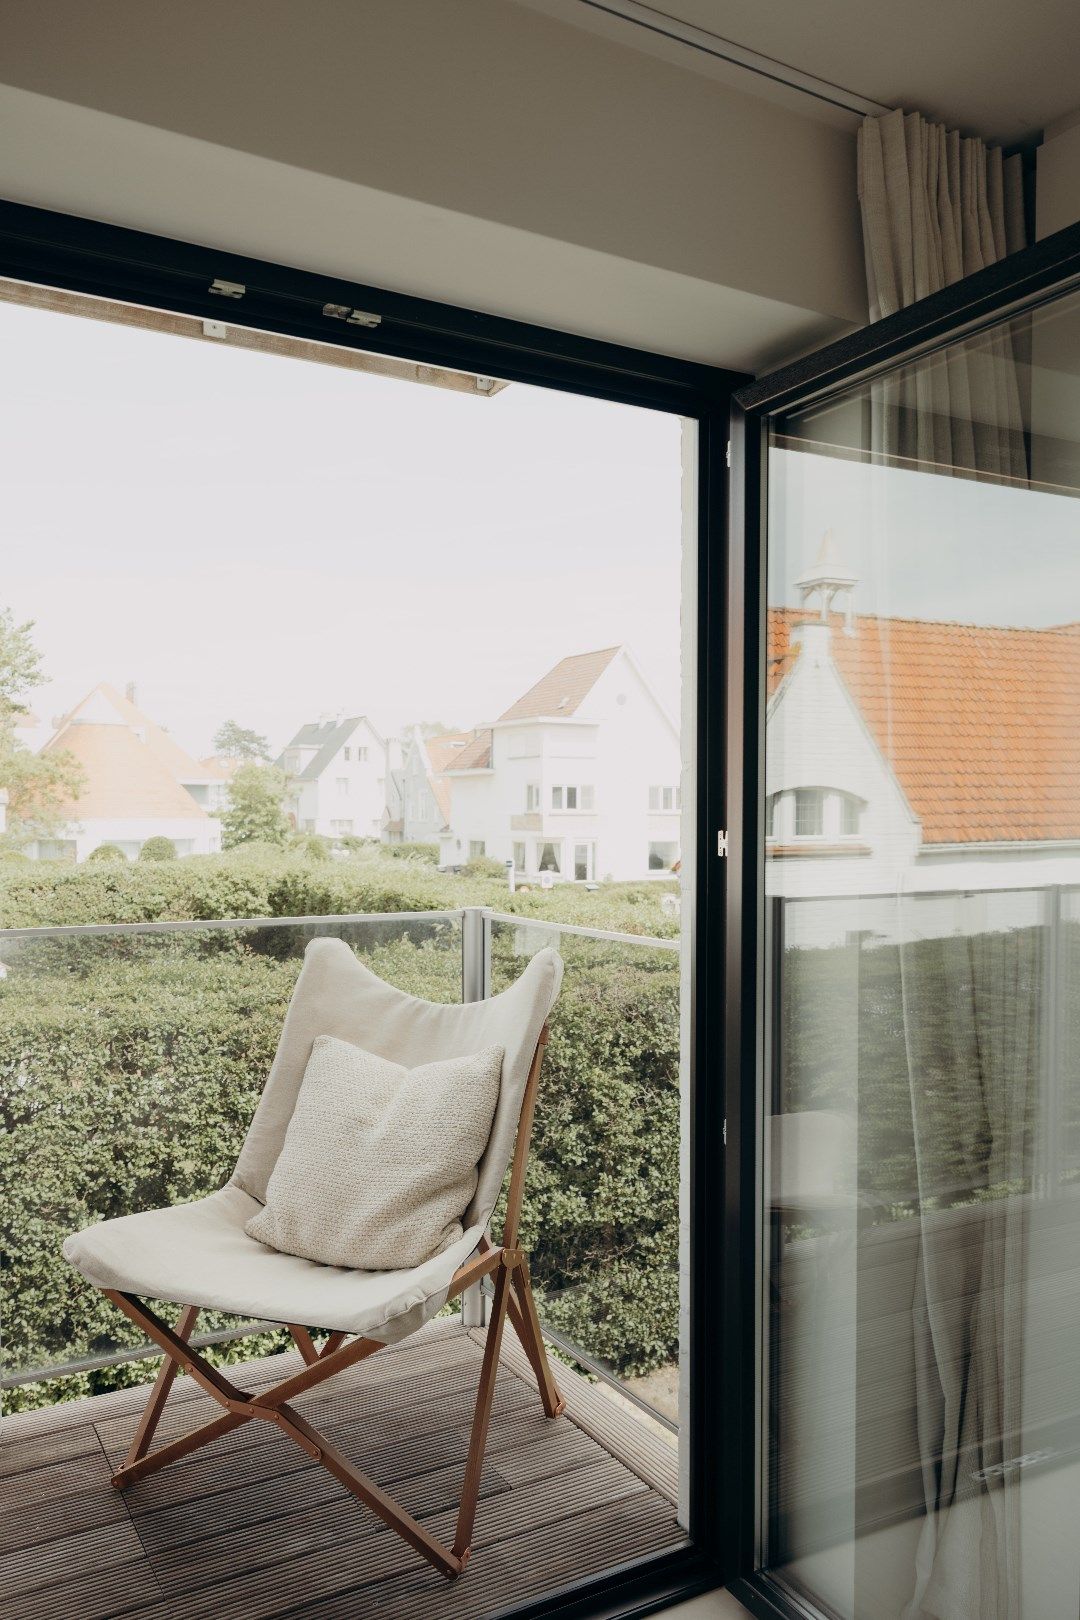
[(132, 1056)]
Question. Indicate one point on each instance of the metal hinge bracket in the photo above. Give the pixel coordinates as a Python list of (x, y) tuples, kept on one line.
[(722, 843), (228, 289), (353, 317)]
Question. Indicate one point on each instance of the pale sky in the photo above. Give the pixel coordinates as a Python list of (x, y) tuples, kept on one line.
[(925, 546), (255, 538)]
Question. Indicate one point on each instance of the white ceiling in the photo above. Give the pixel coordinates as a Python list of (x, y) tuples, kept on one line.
[(994, 68)]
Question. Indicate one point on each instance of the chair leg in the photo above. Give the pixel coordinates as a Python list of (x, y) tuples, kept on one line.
[(526, 1322), (485, 1394), (128, 1473), (154, 1407), (304, 1343)]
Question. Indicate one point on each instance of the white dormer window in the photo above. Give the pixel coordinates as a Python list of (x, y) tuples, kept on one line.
[(348, 755), (361, 755), (809, 813)]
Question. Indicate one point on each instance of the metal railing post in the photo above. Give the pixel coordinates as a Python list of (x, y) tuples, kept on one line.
[(475, 986)]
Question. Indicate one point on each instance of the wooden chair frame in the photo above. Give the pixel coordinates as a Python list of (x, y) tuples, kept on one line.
[(513, 1298)]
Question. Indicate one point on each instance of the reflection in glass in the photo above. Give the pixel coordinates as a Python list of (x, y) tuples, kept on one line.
[(922, 877)]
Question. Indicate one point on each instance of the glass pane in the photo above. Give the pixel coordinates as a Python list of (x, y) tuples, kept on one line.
[(921, 1392)]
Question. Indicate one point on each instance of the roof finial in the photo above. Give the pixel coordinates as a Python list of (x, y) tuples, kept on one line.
[(828, 579)]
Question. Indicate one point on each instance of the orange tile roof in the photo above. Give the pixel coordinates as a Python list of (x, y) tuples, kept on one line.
[(563, 689), (476, 755), (124, 778), (172, 756), (979, 723)]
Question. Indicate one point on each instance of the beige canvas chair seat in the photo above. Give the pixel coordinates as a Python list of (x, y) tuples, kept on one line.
[(200, 1253), (199, 1256)]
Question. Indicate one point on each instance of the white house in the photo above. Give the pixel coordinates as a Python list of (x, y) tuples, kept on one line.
[(338, 771), (138, 784), (425, 790), (909, 762), (578, 780)]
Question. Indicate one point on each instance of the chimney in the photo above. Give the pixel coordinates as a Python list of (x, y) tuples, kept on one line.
[(129, 691)]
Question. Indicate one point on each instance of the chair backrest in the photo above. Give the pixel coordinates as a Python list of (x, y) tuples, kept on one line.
[(337, 995)]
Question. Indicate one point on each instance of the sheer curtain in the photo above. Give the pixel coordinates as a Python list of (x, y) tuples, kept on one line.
[(937, 206), (971, 1013)]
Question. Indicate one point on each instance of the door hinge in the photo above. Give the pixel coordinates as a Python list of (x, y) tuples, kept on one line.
[(228, 289), (722, 843)]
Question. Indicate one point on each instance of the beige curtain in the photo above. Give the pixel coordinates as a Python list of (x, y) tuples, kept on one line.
[(937, 206)]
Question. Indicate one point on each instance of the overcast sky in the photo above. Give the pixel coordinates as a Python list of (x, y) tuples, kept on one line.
[(924, 546), (250, 537)]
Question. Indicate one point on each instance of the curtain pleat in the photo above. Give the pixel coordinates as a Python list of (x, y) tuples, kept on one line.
[(937, 206)]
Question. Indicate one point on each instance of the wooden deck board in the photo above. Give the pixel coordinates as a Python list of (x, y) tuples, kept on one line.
[(250, 1528)]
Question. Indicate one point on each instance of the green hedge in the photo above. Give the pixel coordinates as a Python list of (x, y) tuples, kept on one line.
[(130, 1067)]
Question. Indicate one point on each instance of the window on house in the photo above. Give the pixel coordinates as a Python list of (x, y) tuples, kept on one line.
[(772, 809), (361, 754), (348, 755), (341, 829), (664, 798), (549, 857), (582, 862), (519, 857), (662, 857), (556, 798), (588, 798), (532, 796), (850, 810), (477, 848), (809, 812), (343, 786)]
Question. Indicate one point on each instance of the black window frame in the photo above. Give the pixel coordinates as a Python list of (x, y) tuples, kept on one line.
[(86, 256), (1033, 276)]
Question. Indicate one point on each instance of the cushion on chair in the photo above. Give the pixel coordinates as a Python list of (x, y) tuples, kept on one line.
[(200, 1254), (379, 1162), (337, 995)]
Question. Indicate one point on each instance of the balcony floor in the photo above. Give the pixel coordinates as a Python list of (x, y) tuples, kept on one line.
[(249, 1527)]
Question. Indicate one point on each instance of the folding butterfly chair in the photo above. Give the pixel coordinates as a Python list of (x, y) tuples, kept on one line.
[(199, 1256)]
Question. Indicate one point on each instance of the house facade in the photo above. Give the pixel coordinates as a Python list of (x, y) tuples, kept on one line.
[(909, 762), (578, 781), (338, 771), (138, 783), (425, 788)]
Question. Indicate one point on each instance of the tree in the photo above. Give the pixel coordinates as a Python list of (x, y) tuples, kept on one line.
[(255, 810), (238, 742), (37, 785)]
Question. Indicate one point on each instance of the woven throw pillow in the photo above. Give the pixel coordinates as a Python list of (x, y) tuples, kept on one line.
[(379, 1162)]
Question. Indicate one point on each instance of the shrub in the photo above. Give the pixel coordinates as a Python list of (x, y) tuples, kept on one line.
[(484, 866), (110, 852), (414, 852), (311, 845), (158, 849)]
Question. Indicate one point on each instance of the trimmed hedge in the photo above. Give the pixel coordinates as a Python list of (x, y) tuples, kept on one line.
[(130, 1067)]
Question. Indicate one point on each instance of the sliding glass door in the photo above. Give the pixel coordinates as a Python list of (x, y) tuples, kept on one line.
[(920, 861)]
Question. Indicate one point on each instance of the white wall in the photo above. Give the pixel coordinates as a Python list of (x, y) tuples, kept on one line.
[(477, 152)]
